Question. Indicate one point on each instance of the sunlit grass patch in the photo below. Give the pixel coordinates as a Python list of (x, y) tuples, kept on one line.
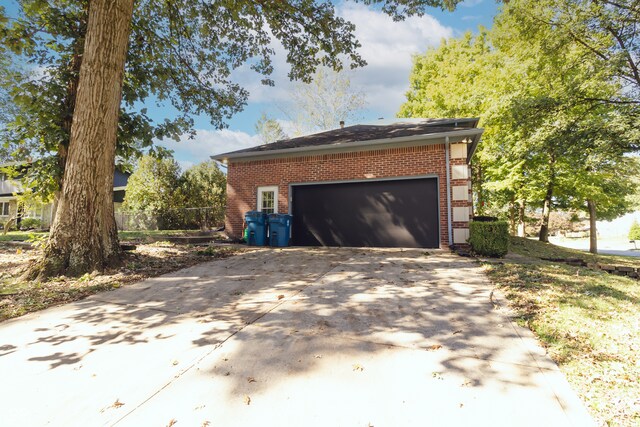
[(588, 320)]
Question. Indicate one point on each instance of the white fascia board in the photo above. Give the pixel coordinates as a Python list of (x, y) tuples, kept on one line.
[(376, 144)]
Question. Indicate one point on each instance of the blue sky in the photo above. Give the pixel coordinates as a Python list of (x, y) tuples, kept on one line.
[(386, 45)]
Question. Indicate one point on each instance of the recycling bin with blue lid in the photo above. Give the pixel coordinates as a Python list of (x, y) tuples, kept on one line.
[(279, 229), (257, 227)]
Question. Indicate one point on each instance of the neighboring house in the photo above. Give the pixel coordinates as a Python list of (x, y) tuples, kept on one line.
[(404, 184), (10, 187)]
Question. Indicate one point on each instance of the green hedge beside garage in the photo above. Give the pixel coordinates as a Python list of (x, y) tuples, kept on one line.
[(489, 238)]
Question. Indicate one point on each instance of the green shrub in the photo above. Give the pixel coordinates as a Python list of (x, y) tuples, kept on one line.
[(634, 232), (30, 224), (489, 238)]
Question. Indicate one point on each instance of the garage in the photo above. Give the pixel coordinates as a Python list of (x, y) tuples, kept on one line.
[(386, 213), (402, 183)]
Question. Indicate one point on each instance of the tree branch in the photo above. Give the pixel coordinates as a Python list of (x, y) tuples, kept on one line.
[(630, 60)]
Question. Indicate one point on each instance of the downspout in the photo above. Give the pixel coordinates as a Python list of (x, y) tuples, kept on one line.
[(446, 153)]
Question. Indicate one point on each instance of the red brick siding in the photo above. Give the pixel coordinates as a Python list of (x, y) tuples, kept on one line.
[(244, 178)]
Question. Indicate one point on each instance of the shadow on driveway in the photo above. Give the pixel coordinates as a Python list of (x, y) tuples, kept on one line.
[(287, 337)]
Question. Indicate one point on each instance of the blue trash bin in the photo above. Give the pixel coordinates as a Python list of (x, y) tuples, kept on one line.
[(279, 229), (257, 228)]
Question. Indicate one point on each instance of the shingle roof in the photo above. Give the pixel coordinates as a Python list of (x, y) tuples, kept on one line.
[(368, 132)]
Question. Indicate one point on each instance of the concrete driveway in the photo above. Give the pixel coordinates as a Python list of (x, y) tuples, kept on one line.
[(300, 337)]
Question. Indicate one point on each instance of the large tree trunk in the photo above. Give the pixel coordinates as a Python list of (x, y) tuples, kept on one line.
[(546, 207), (546, 212), (84, 235), (73, 71), (521, 218), (593, 232)]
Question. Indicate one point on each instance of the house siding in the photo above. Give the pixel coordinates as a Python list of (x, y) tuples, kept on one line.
[(244, 177)]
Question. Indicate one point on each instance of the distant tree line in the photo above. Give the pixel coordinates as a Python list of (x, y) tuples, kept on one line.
[(557, 87), (159, 188)]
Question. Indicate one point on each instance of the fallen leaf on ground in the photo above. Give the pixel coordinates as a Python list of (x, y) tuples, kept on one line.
[(175, 362), (251, 379), (172, 422), (435, 347), (358, 367), (247, 400), (206, 424), (117, 404), (280, 296)]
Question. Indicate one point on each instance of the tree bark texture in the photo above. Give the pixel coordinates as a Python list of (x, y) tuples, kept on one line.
[(84, 234), (546, 207), (593, 232)]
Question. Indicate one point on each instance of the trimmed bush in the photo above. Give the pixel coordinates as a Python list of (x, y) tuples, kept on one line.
[(489, 238), (30, 224)]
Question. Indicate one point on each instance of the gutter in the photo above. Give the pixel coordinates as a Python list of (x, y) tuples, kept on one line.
[(449, 227), (347, 146)]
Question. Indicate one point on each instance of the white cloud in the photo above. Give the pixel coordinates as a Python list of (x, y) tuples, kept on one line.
[(207, 143), (185, 164), (387, 46)]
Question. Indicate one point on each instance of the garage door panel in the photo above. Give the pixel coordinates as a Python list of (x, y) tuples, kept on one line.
[(399, 213)]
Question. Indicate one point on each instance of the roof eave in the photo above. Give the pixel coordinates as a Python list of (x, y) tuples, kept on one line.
[(349, 146)]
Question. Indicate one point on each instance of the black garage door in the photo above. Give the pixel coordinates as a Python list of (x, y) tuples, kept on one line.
[(397, 213)]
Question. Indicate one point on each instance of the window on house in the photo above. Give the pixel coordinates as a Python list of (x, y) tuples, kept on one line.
[(268, 199), (4, 208)]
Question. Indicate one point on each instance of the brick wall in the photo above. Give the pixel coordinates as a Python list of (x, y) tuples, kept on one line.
[(244, 177)]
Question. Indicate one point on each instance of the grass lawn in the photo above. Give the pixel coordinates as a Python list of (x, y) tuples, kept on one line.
[(588, 320), (139, 236), (20, 236)]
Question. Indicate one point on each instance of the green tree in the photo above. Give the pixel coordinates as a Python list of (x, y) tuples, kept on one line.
[(539, 99), (206, 186), (182, 52), (604, 31), (154, 186), (634, 231), (565, 120), (269, 129)]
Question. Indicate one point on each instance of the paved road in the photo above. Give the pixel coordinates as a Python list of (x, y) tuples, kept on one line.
[(312, 337), (620, 247)]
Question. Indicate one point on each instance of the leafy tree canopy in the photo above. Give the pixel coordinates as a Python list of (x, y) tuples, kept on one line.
[(154, 186), (604, 31), (634, 231), (205, 186), (181, 53), (550, 137)]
